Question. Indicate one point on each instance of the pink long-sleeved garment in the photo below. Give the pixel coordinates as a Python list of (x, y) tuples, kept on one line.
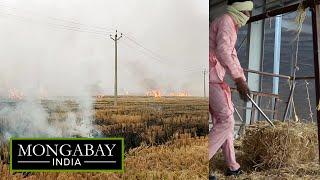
[(223, 60)]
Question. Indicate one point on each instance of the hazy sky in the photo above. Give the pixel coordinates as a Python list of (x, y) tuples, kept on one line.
[(41, 46)]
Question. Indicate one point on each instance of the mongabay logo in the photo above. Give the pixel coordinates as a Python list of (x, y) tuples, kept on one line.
[(67, 154)]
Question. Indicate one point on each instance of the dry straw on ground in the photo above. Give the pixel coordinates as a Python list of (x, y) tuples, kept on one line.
[(181, 158), (288, 151), (286, 145)]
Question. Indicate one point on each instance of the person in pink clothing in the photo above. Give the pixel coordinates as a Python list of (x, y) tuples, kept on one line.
[(223, 60)]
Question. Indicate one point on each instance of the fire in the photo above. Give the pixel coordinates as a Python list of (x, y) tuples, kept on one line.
[(15, 94), (154, 93)]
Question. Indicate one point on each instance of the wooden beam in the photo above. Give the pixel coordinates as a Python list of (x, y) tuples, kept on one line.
[(275, 12), (315, 12)]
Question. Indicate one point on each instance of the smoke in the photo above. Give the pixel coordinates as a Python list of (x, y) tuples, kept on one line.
[(59, 60), (146, 79), (30, 118), (24, 114), (26, 119), (41, 58)]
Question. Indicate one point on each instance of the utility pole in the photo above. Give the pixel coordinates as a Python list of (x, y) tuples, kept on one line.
[(204, 83), (115, 38)]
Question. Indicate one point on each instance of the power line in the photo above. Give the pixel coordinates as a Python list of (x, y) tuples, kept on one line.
[(143, 47), (71, 24), (151, 53), (78, 29), (65, 27), (87, 28), (99, 28), (185, 69), (142, 52)]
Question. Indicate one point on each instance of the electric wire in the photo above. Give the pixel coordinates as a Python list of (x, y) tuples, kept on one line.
[(99, 28), (81, 27), (185, 69), (59, 26), (143, 47)]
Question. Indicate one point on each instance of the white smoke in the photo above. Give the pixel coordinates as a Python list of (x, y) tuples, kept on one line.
[(42, 60), (35, 51), (25, 119), (29, 118)]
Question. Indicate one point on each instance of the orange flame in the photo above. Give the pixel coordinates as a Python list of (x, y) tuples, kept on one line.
[(15, 94), (154, 93)]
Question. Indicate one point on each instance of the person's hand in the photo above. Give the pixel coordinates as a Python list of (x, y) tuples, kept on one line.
[(243, 89)]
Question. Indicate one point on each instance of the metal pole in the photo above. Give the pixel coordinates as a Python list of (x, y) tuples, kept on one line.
[(278, 75), (238, 114), (276, 56), (315, 12), (260, 110), (115, 39), (255, 56), (267, 74), (293, 85)]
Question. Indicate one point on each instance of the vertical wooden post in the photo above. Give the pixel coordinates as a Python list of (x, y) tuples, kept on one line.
[(315, 11)]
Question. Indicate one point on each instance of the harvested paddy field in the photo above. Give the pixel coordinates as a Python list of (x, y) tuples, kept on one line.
[(165, 138)]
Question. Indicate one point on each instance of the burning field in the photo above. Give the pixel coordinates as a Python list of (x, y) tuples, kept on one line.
[(165, 137)]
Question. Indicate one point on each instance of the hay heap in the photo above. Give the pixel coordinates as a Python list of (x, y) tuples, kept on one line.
[(286, 145)]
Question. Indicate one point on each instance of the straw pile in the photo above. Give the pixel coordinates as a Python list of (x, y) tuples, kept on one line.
[(286, 145)]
